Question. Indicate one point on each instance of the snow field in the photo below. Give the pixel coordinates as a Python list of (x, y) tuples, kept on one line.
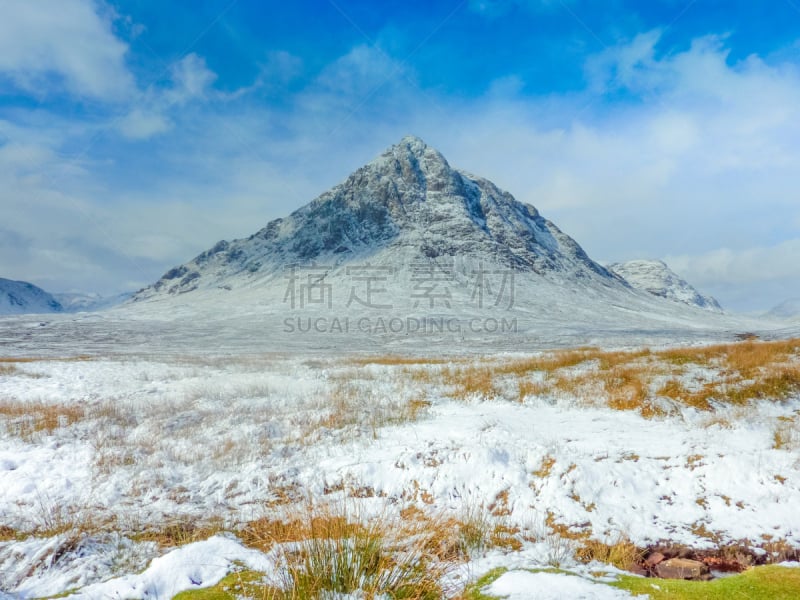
[(217, 442)]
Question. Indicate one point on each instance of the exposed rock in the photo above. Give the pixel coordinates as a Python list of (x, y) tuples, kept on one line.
[(654, 559), (682, 568)]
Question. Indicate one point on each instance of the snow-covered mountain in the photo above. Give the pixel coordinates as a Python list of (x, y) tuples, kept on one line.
[(88, 302), (655, 277), (19, 297), (407, 236), (410, 204)]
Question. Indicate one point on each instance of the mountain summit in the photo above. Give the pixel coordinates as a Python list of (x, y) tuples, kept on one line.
[(408, 203)]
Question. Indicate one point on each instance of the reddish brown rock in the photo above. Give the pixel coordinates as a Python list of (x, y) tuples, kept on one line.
[(654, 559), (639, 570), (682, 568)]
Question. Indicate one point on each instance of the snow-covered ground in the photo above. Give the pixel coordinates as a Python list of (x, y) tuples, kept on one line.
[(135, 443)]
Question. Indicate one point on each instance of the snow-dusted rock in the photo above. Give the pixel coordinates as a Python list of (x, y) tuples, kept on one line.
[(655, 277)]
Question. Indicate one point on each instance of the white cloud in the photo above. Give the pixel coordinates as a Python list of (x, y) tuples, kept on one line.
[(62, 45), (190, 80), (742, 265), (359, 72), (141, 125)]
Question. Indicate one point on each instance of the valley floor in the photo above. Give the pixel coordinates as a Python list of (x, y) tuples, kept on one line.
[(131, 477)]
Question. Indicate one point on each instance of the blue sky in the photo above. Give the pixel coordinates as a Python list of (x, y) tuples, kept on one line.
[(135, 134)]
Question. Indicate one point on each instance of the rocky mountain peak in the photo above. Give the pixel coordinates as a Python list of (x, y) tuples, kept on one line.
[(408, 201), (411, 168)]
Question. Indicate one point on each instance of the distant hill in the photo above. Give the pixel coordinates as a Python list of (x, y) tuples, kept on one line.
[(788, 309), (80, 302), (19, 297), (655, 277)]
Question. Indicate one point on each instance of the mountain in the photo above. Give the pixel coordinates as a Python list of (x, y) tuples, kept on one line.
[(19, 297), (788, 309), (88, 302), (404, 239), (655, 277), (409, 203)]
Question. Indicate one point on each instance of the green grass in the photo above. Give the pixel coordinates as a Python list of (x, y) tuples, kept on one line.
[(245, 584), (760, 583), (473, 591)]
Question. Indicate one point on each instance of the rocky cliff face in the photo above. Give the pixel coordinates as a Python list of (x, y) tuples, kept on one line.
[(407, 202), (655, 277)]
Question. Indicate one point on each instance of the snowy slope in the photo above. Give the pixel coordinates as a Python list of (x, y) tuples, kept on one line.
[(19, 297), (82, 302), (655, 277), (788, 309)]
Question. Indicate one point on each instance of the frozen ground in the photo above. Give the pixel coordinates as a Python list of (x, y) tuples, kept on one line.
[(122, 443)]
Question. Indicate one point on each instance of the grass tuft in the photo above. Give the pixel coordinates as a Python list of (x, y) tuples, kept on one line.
[(621, 552), (323, 552)]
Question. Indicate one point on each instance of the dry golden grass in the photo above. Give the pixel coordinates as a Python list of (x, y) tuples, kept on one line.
[(527, 388), (267, 532), (179, 532), (566, 531), (471, 381), (624, 380), (634, 380), (622, 553), (505, 538), (612, 359), (549, 362), (26, 418), (677, 391), (335, 552), (544, 470), (786, 434), (746, 357), (776, 382), (625, 387), (29, 359), (415, 408), (7, 369)]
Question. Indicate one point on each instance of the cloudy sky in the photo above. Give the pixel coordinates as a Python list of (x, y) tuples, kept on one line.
[(136, 133)]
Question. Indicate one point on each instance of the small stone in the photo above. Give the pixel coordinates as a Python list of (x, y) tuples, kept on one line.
[(638, 570), (682, 568), (654, 559)]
